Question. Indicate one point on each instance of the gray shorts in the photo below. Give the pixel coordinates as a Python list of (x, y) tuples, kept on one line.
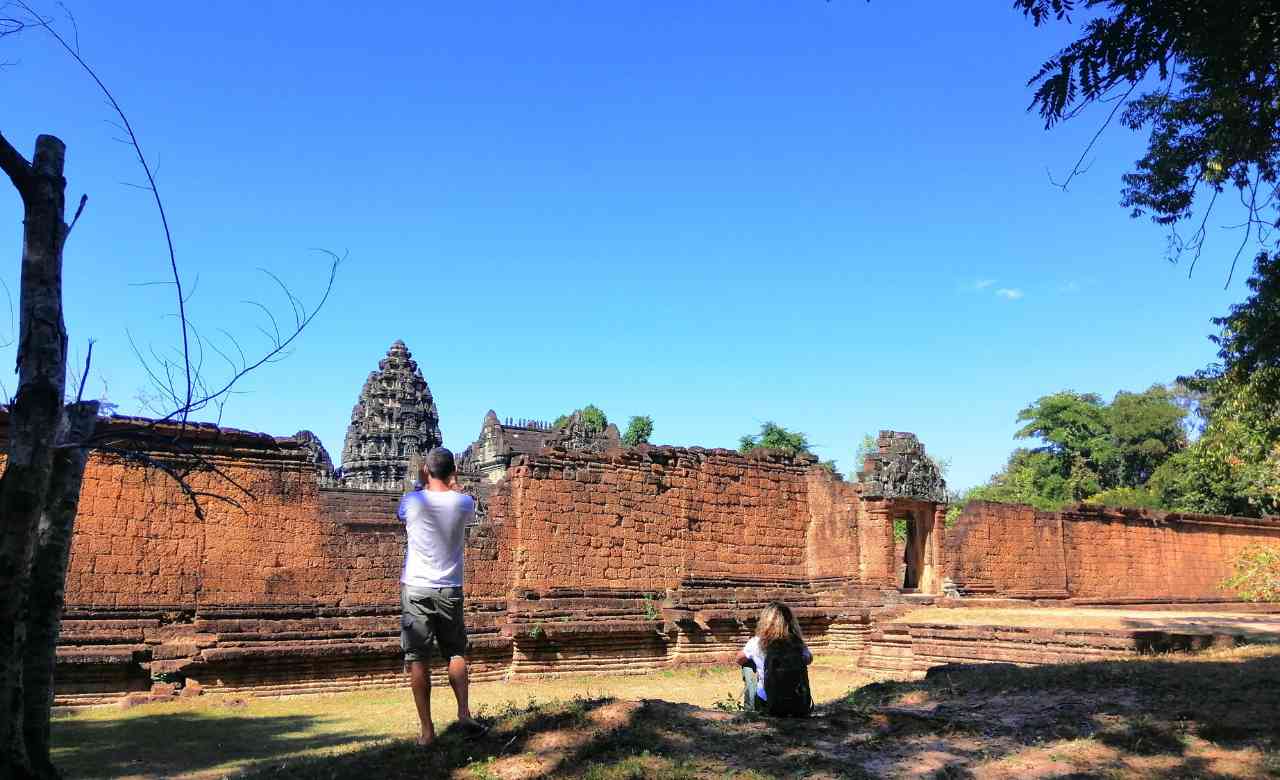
[(431, 615)]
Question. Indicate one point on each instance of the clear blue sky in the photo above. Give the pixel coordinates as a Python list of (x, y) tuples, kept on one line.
[(834, 215)]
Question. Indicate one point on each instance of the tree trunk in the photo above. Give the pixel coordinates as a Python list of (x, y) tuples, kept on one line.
[(34, 419), (48, 582)]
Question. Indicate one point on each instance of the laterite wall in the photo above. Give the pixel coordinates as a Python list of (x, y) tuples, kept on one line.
[(1099, 553)]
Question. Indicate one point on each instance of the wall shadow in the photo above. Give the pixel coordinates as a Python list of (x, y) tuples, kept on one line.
[(1157, 714), (166, 744)]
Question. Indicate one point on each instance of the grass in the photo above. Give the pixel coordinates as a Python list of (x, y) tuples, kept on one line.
[(213, 736), (1212, 715)]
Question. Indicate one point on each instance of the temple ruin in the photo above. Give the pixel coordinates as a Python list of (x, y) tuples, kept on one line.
[(393, 423), (500, 443), (591, 557)]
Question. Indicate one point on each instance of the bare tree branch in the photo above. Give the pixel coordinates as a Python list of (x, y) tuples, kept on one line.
[(79, 210), (15, 166), (146, 168), (84, 376)]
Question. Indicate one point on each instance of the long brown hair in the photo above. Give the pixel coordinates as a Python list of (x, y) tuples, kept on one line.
[(777, 623)]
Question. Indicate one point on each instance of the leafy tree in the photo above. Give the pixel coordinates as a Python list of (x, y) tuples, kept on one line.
[(1127, 498), (1146, 429), (1211, 71), (639, 429), (866, 447), (1234, 466), (775, 437), (1077, 442), (591, 417), (1091, 451), (1248, 341), (1095, 446)]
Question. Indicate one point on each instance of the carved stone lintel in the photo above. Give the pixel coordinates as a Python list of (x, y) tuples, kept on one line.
[(900, 469)]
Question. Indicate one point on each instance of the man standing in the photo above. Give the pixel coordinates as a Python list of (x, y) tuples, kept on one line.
[(435, 519)]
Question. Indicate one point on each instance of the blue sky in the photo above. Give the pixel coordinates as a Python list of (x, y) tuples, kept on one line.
[(835, 215)]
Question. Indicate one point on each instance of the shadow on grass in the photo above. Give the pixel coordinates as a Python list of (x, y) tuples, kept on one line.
[(598, 739), (169, 743), (1147, 718)]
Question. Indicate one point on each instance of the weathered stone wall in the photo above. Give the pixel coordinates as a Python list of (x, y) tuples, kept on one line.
[(1007, 550), (831, 540), (1097, 553), (1113, 554), (651, 517), (139, 543), (623, 561)]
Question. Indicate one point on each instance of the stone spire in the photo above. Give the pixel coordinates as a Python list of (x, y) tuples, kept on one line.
[(393, 422)]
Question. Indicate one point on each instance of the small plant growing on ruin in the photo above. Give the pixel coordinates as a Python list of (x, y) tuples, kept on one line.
[(537, 632), (1257, 574), (639, 429), (651, 610)]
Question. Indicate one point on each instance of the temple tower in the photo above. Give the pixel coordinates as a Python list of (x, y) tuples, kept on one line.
[(394, 421)]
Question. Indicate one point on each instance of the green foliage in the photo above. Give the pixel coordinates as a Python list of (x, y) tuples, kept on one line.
[(900, 529), (651, 607), (639, 429), (1127, 498), (1256, 575), (1029, 477), (1091, 446), (1234, 466), (1212, 107), (830, 465), (868, 446), (775, 437), (591, 417)]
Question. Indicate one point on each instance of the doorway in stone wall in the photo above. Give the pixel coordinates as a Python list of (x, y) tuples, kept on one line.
[(912, 552)]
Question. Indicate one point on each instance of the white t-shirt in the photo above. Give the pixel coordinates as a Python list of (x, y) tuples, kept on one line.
[(756, 654), (436, 523)]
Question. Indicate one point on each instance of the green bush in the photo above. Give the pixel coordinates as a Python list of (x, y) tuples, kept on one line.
[(1257, 574), (639, 429)]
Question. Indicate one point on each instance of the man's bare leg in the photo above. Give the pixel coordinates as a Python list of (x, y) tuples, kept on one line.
[(420, 682), (459, 681)]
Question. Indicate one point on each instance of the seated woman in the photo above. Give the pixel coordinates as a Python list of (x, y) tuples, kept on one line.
[(775, 665)]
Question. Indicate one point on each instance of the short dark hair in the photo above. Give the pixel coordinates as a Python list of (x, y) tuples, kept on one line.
[(439, 464)]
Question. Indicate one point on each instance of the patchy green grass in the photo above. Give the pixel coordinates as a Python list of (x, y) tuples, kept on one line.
[(213, 736), (1212, 715)]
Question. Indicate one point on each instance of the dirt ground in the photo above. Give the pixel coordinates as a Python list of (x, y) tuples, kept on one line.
[(1210, 715), (1255, 626)]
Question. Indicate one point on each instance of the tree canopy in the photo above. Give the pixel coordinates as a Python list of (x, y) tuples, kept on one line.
[(1202, 76), (592, 418), (1090, 449), (775, 437), (1234, 466), (639, 429)]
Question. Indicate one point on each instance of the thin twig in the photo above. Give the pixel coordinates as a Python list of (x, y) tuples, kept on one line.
[(79, 210), (146, 168), (84, 376)]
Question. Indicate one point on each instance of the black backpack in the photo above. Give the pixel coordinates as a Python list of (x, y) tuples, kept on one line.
[(786, 680)]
